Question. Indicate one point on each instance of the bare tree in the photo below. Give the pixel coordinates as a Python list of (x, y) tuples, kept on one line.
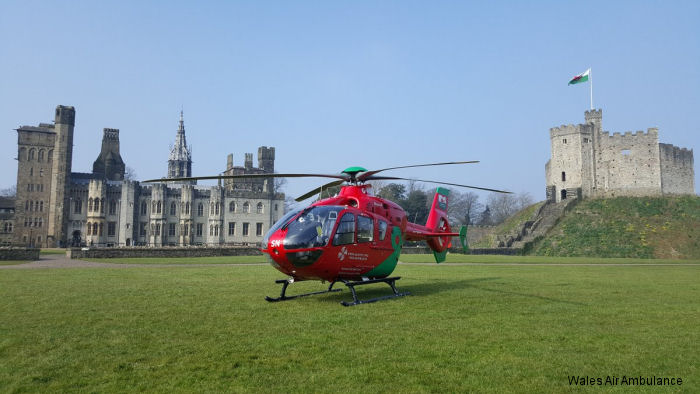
[(464, 208), (130, 174), (504, 205), (9, 192)]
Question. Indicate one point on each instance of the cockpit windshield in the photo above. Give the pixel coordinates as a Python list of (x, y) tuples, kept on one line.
[(279, 225), (312, 228)]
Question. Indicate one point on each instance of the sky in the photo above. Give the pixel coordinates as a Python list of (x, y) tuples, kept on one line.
[(334, 84)]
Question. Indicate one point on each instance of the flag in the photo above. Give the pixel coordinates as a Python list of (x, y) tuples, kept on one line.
[(583, 77)]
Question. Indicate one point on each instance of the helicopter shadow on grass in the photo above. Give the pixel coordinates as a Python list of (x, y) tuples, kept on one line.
[(440, 286)]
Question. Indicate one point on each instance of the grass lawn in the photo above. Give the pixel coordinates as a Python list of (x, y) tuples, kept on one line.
[(466, 328), (45, 251), (185, 260)]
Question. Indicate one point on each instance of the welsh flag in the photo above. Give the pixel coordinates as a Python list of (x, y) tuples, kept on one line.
[(583, 77)]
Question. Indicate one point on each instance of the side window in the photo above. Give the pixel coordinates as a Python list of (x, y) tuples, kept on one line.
[(382, 230), (365, 229), (345, 234)]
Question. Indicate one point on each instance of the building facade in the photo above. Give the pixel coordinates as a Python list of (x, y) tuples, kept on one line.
[(58, 207), (589, 162)]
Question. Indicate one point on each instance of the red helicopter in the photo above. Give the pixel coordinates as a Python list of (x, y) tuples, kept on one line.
[(354, 237)]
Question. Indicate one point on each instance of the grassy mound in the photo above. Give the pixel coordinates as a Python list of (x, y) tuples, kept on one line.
[(510, 225), (641, 227)]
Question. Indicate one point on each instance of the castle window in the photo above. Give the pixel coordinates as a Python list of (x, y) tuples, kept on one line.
[(158, 207), (585, 140), (563, 176), (171, 229), (173, 209), (41, 206), (625, 152), (217, 205), (232, 206), (211, 230), (245, 229), (260, 207), (41, 172), (157, 232), (111, 229), (187, 208), (89, 205), (89, 228), (144, 208), (142, 229), (564, 140), (97, 205), (101, 228), (258, 229), (31, 171), (231, 228), (112, 207), (49, 156), (102, 206), (31, 154), (200, 210), (41, 155), (246, 207), (186, 230), (563, 194), (216, 230), (36, 206), (41, 221), (94, 229), (199, 229), (27, 205)]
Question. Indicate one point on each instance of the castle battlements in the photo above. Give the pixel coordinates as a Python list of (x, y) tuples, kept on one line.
[(629, 136), (564, 130)]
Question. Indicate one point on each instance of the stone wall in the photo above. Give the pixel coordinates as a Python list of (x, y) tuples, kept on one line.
[(109, 253), (677, 173), (31, 254)]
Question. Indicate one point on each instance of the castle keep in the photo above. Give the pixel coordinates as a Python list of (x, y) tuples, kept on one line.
[(57, 207), (589, 162)]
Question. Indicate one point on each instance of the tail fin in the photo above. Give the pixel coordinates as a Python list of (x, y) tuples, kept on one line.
[(437, 222)]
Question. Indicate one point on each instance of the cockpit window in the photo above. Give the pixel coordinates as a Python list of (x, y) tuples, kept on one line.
[(312, 228), (345, 234), (365, 229), (279, 225)]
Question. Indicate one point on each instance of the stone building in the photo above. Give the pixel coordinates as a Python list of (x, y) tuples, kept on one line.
[(57, 207), (589, 162), (7, 220)]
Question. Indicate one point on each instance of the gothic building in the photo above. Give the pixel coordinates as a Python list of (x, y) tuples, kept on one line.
[(589, 162), (57, 207)]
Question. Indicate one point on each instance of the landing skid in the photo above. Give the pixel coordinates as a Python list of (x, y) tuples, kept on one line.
[(286, 282), (351, 285), (390, 281)]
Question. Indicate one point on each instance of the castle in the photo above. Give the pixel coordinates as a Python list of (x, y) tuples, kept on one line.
[(56, 207), (589, 162)]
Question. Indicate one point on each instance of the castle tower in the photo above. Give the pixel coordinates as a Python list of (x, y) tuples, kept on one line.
[(266, 159), (60, 175), (180, 160), (109, 164)]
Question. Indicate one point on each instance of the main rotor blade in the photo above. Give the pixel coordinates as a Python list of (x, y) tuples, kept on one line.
[(393, 178), (318, 189), (249, 176), (365, 176)]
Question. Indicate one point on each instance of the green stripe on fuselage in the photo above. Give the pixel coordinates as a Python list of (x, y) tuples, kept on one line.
[(387, 266)]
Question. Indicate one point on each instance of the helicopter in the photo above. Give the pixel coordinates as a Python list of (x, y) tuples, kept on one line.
[(354, 238)]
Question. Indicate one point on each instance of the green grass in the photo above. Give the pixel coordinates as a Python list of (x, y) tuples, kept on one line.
[(508, 226), (501, 259), (646, 227), (13, 262), (184, 260), (466, 328)]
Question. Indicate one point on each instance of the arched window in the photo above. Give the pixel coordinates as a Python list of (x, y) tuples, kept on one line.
[(260, 207), (144, 208), (94, 229), (187, 208), (173, 208), (158, 207), (200, 209), (216, 207), (246, 207), (112, 207), (41, 155), (97, 205), (90, 204), (211, 229), (232, 206), (31, 154), (102, 206), (41, 206), (78, 206), (49, 156), (216, 230), (89, 228), (211, 208)]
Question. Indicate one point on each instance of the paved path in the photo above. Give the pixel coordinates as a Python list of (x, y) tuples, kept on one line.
[(60, 261)]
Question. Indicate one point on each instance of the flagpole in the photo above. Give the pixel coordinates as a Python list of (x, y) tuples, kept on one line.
[(590, 77)]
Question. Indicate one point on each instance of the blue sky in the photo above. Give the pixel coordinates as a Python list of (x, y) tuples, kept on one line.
[(333, 84)]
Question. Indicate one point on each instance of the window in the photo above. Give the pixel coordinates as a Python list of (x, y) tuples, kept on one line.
[(276, 207), (259, 229), (216, 208), (78, 206), (365, 229), (187, 208), (382, 230), (585, 140), (173, 208), (159, 206), (625, 152), (199, 229), (211, 229), (144, 208), (50, 154), (97, 205), (200, 209), (246, 207), (111, 229), (31, 154), (41, 155), (41, 221), (259, 207), (89, 228), (345, 234), (245, 229), (563, 176), (157, 232), (564, 140), (101, 228), (216, 230), (232, 206), (171, 229), (31, 171), (112, 207), (142, 229), (102, 205), (231, 228), (186, 230), (41, 172), (41, 206)]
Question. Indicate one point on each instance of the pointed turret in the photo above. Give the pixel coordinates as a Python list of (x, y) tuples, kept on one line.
[(180, 160)]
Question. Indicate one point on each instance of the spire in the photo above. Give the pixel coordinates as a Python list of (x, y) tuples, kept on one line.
[(180, 160)]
